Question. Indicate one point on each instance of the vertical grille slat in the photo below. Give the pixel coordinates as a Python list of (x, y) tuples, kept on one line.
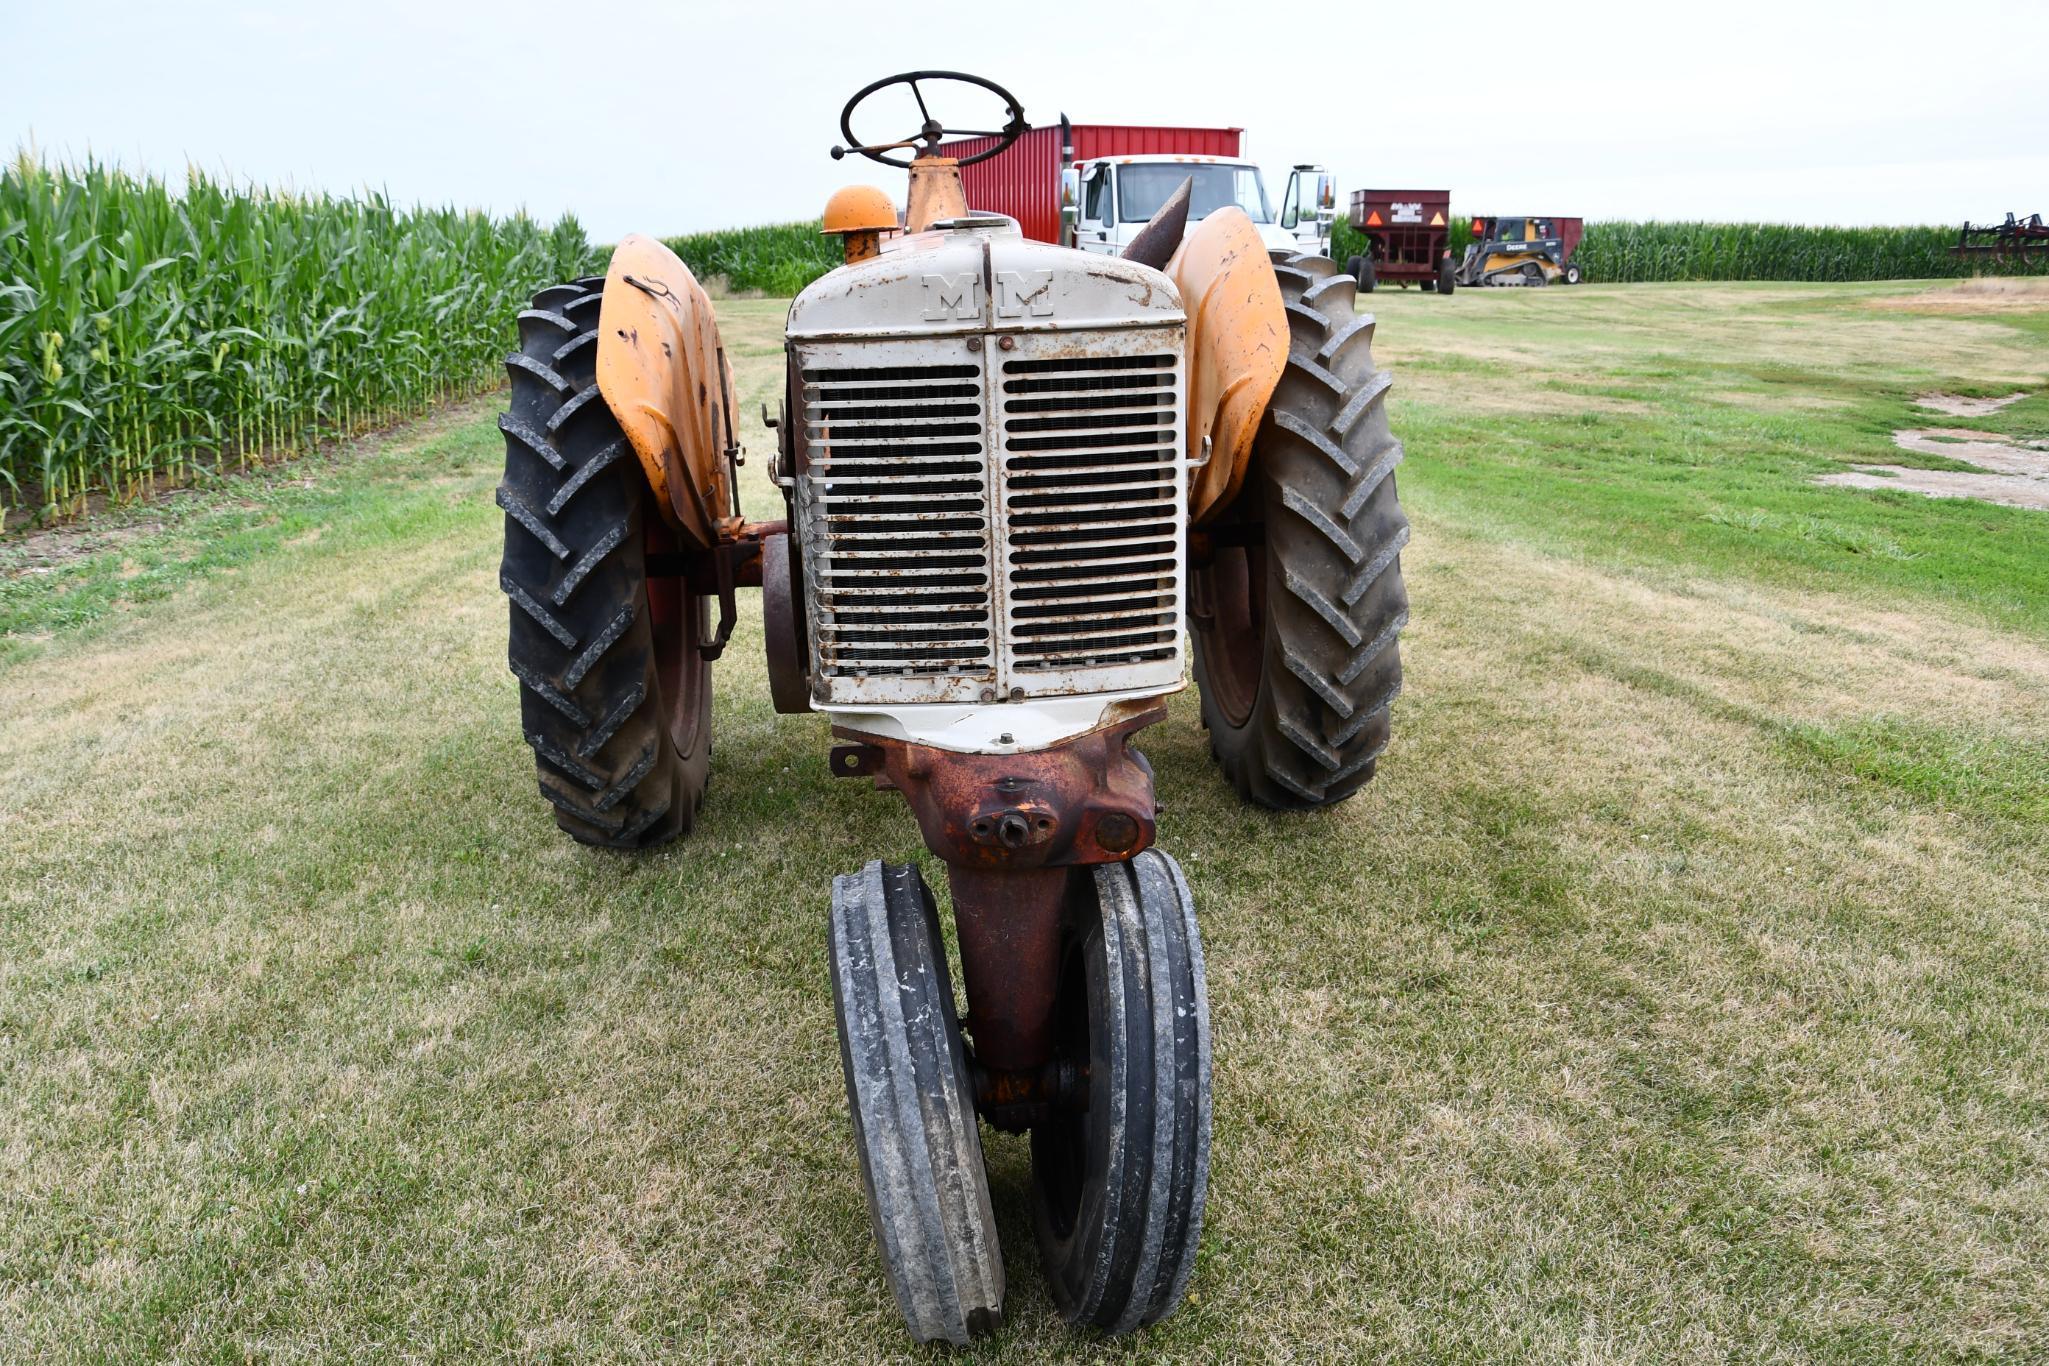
[(898, 495)]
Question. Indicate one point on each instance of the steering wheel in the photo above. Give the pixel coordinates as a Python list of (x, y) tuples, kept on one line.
[(932, 131)]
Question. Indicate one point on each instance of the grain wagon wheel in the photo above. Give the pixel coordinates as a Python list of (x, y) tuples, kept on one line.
[(615, 696), (1118, 1189), (1295, 632)]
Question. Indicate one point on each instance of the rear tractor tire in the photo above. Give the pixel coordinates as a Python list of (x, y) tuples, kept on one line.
[(1295, 620), (615, 697)]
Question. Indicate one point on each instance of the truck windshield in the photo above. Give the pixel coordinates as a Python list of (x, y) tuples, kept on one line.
[(1143, 187)]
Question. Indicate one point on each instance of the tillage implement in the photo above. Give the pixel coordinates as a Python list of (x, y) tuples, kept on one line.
[(1020, 481)]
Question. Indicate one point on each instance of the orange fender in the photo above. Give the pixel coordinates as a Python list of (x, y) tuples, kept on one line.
[(664, 374), (1237, 349)]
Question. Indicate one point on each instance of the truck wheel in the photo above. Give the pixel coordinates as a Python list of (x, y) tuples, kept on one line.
[(1364, 274), (913, 1105), (1295, 616), (1572, 272), (1447, 276), (615, 698), (1118, 1189), (1356, 267)]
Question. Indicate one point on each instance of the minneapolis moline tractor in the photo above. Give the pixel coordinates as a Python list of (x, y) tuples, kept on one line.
[(1013, 473)]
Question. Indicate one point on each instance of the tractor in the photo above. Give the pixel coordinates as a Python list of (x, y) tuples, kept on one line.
[(1021, 481)]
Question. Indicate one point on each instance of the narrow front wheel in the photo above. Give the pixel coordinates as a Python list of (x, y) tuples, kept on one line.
[(913, 1105), (1118, 1189)]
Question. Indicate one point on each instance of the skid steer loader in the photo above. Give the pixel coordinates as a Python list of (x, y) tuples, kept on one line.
[(1531, 252), (1013, 472)]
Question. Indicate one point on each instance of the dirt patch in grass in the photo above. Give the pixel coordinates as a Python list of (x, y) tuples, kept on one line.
[(2016, 475), (1982, 296), (1962, 405)]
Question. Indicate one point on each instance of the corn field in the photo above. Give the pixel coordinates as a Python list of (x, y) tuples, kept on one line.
[(147, 333), (776, 259), (1637, 253), (1626, 252)]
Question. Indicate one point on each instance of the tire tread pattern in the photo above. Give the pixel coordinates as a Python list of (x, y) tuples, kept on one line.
[(1324, 466), (913, 1105), (580, 643)]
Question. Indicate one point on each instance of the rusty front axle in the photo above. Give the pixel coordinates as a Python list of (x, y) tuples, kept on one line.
[(1011, 828)]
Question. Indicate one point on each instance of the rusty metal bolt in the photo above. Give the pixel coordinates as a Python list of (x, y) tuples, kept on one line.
[(1008, 343), (988, 694), (1017, 694), (1004, 739), (1116, 832), (974, 343)]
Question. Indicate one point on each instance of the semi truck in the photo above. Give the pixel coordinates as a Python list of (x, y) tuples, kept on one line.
[(1096, 185)]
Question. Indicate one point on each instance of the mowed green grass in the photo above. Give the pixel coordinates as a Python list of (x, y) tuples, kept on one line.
[(1676, 992)]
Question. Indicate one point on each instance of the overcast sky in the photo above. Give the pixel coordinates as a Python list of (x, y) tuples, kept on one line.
[(668, 117)]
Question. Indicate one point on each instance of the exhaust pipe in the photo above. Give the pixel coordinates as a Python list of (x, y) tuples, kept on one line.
[(1159, 239)]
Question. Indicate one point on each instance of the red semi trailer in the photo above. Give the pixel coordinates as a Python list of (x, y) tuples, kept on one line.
[(1114, 175), (1025, 181)]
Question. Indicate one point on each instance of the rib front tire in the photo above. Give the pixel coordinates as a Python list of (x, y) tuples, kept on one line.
[(1118, 1189)]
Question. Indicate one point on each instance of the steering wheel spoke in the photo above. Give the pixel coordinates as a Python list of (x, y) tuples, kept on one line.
[(928, 139)]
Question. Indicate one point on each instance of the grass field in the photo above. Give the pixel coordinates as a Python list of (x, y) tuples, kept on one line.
[(1679, 991)]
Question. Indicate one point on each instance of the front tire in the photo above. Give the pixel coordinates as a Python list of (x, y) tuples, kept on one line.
[(615, 697), (1296, 616), (1118, 1189), (912, 1102)]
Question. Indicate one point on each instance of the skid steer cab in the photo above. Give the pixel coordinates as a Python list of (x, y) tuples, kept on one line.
[(1021, 483), (1521, 251)]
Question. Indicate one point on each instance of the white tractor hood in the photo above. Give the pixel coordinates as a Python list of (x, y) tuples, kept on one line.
[(980, 274)]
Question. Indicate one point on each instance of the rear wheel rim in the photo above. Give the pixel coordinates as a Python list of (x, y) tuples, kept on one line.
[(1236, 583), (676, 619)]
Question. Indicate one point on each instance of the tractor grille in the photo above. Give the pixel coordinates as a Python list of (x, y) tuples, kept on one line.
[(899, 488), (1091, 508), (1005, 523)]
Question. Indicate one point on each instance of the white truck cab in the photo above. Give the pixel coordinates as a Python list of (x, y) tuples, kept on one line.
[(1107, 201)]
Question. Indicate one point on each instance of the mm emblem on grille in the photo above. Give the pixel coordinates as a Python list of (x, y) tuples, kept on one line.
[(950, 297), (1021, 292)]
